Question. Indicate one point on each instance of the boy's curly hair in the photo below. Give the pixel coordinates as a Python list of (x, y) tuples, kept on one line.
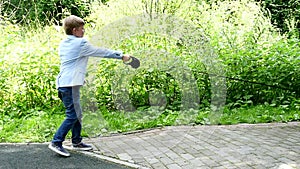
[(71, 22)]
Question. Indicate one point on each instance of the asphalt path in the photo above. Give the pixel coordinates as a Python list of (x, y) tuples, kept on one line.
[(38, 156)]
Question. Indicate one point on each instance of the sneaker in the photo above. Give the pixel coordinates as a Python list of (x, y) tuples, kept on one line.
[(58, 149), (82, 146)]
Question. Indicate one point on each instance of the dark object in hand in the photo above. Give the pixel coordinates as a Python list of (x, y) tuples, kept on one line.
[(133, 62)]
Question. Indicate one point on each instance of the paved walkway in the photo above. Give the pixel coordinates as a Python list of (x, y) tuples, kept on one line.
[(239, 146)]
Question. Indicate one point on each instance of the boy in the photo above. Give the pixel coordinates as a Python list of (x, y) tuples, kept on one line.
[(74, 52)]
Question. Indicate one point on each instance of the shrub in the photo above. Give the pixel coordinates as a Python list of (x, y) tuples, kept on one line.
[(43, 11), (29, 66), (261, 76), (285, 15)]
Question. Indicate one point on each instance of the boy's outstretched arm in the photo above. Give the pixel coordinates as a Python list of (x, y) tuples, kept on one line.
[(90, 50)]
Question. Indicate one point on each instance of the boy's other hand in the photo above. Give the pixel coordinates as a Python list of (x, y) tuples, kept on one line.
[(126, 58)]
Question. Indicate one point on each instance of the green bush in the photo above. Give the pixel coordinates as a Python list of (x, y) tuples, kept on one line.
[(43, 11), (29, 66), (260, 76), (285, 15)]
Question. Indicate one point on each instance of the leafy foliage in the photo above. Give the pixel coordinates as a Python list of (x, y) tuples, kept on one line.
[(264, 76), (43, 11), (28, 70), (285, 15)]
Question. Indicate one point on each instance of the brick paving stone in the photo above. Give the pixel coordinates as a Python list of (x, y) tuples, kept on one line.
[(110, 154), (178, 150), (138, 158), (187, 156), (241, 165), (173, 166), (151, 148), (197, 162), (189, 166), (225, 163), (124, 156), (163, 149), (204, 158), (146, 153), (211, 163), (159, 165), (166, 160), (152, 160), (180, 161), (218, 167), (172, 155)]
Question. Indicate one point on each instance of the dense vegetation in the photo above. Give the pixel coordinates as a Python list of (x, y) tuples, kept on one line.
[(202, 63), (284, 15)]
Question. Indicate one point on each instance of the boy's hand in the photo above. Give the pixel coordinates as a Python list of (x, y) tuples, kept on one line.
[(126, 58), (132, 61)]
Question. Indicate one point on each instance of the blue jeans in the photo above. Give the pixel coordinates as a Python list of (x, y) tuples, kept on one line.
[(70, 97)]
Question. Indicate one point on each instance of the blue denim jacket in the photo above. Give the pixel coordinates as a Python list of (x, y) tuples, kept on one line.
[(74, 53)]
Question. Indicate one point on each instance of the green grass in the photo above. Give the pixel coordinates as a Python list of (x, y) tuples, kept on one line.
[(41, 126), (259, 114), (35, 128)]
